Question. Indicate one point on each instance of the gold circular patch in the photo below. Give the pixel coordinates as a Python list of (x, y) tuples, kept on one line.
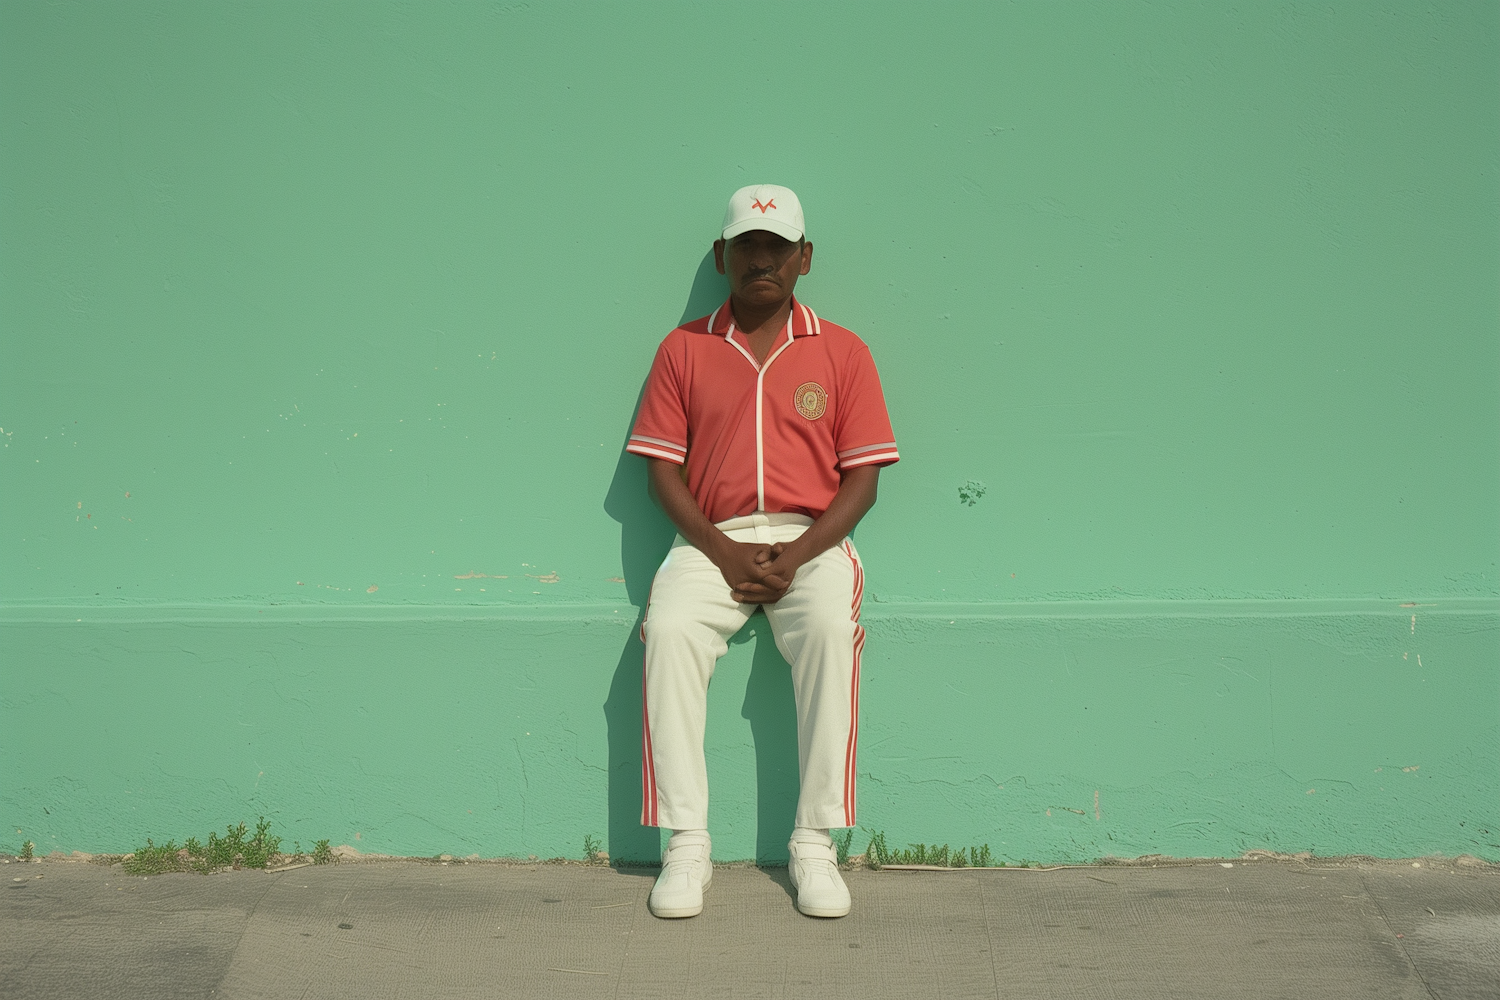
[(810, 399)]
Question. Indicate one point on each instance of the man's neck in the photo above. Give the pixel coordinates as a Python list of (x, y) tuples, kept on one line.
[(764, 320)]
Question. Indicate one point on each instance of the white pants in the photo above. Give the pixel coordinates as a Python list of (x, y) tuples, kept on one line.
[(690, 617)]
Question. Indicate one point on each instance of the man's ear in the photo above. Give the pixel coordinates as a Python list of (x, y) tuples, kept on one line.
[(719, 256), (806, 257)]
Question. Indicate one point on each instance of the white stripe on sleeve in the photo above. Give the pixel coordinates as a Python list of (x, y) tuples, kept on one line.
[(650, 451), (851, 452), (870, 458), (661, 441)]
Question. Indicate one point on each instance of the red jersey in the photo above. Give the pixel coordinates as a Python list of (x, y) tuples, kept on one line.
[(772, 437)]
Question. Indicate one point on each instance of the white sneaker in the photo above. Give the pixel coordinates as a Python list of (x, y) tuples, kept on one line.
[(685, 873), (814, 868)]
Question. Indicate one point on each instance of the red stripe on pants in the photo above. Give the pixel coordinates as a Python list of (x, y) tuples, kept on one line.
[(648, 763), (851, 749)]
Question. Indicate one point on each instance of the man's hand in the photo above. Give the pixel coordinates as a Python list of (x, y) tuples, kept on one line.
[(780, 562), (785, 558), (747, 568)]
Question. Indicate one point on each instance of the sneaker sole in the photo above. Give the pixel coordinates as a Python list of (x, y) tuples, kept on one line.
[(824, 911)]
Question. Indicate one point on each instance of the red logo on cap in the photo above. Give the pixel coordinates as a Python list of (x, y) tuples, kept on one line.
[(770, 203)]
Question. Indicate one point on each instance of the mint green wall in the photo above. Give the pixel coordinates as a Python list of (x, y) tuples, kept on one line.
[(321, 314)]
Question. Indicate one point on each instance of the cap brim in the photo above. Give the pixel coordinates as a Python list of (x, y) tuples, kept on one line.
[(781, 229)]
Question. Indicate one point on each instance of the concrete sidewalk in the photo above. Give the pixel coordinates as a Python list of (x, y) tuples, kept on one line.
[(1261, 929)]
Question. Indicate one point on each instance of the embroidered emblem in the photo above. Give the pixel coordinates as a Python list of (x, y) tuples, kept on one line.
[(770, 204), (810, 399)]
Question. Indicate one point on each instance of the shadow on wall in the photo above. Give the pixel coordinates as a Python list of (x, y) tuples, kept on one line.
[(709, 291), (771, 708), (645, 537)]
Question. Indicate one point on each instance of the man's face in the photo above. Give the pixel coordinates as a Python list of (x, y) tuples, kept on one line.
[(762, 267)]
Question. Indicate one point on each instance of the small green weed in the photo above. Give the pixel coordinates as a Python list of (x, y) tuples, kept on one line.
[(154, 860), (593, 850), (879, 854), (28, 851), (841, 845), (322, 854), (232, 850)]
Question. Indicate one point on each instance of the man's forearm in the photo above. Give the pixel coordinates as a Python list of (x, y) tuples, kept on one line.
[(675, 500), (854, 499)]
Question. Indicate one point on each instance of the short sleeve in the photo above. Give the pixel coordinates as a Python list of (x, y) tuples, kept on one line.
[(661, 426), (862, 432)]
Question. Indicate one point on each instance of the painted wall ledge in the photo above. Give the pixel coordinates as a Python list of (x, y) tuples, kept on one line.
[(874, 610), (1059, 731)]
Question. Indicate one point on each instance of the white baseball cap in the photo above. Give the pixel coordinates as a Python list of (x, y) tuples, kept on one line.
[(764, 206)]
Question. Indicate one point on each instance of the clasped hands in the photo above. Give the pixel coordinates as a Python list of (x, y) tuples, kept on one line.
[(757, 573)]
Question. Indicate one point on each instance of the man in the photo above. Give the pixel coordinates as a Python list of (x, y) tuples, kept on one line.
[(764, 429)]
